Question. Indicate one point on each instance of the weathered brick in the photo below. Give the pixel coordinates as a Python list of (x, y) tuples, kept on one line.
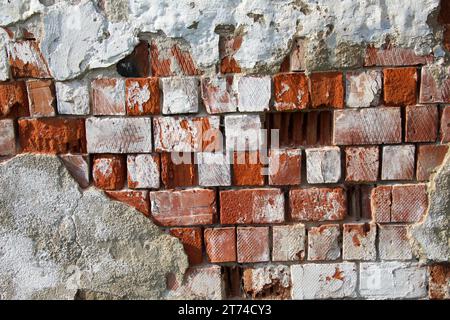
[(295, 61), (392, 280), (7, 138), (291, 91), (221, 244), (394, 56), (73, 97), (262, 205), (435, 84), (228, 46), (421, 123), (79, 167), (267, 282), (137, 64), (253, 244), (13, 99), (317, 204), (359, 241), (361, 164), (288, 242), (400, 86), (409, 202), (381, 202), (254, 93), (183, 207), (398, 162), (327, 90), (119, 135), (41, 97), (323, 165), (285, 166), (138, 199), (52, 135), (219, 94), (367, 126), (109, 172), (108, 96), (142, 96), (394, 243), (180, 95), (143, 171), (213, 169), (187, 134), (439, 281), (203, 282), (243, 132), (248, 169), (178, 171), (323, 242), (324, 281), (191, 238), (445, 125), (429, 157), (363, 88), (26, 60)]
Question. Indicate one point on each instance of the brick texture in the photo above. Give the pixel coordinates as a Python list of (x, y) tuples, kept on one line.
[(327, 90), (291, 91), (421, 123), (429, 157), (361, 164), (400, 86), (191, 238), (221, 244), (253, 244)]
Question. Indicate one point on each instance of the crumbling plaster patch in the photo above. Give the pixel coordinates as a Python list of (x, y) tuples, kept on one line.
[(78, 37), (56, 239)]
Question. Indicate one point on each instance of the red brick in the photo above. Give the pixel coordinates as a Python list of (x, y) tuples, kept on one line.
[(400, 86), (191, 238), (393, 56), (142, 96), (435, 84), (219, 94), (169, 59), (221, 244), (41, 97), (381, 202), (137, 64), (323, 242), (428, 159), (266, 282), (327, 90), (183, 207), (361, 164), (79, 167), (7, 137), (438, 281), (291, 91), (143, 171), (409, 202), (52, 135), (253, 244), (109, 172), (358, 241), (137, 199), (398, 162), (251, 206), (228, 46), (26, 60), (444, 12), (421, 123), (445, 125), (178, 175), (285, 167), (367, 126), (108, 96), (247, 169), (317, 204), (13, 99)]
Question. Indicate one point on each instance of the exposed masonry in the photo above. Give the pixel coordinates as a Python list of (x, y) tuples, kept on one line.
[(348, 202)]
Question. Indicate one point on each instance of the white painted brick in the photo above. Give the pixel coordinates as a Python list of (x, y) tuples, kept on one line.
[(394, 243), (180, 95), (323, 165), (143, 171), (213, 169), (254, 93), (108, 96), (267, 282), (288, 242), (398, 162), (359, 242), (7, 138), (363, 88), (185, 134), (219, 94), (323, 242), (243, 132), (119, 135), (323, 281), (392, 280), (72, 97)]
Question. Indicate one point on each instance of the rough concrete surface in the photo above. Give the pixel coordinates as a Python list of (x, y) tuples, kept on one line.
[(59, 242)]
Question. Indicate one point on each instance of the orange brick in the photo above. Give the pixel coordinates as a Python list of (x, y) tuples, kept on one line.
[(142, 96), (247, 169), (400, 86), (291, 91), (429, 157), (137, 199), (191, 238), (109, 172), (327, 90), (178, 175), (221, 244), (253, 244), (13, 99)]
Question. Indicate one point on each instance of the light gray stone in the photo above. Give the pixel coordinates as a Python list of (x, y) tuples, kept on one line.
[(57, 241)]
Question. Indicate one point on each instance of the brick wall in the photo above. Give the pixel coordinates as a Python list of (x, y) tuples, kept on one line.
[(323, 213)]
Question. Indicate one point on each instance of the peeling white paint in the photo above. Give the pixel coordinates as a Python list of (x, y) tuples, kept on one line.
[(72, 97)]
